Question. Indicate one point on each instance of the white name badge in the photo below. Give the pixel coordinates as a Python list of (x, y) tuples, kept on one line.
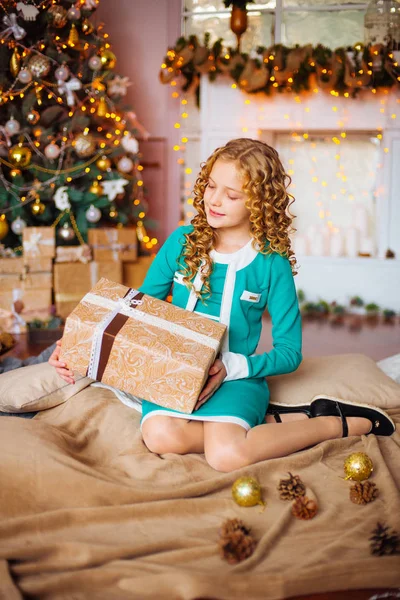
[(250, 296)]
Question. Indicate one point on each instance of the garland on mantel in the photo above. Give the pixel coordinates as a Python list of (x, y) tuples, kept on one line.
[(342, 72)]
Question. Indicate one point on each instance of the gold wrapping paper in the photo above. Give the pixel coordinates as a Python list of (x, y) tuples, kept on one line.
[(39, 242), (9, 281), (151, 361), (37, 302), (11, 265), (73, 280), (109, 243), (38, 264), (80, 253), (35, 281), (134, 273)]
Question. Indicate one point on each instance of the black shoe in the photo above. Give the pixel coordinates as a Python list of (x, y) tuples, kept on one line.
[(283, 409), (327, 406)]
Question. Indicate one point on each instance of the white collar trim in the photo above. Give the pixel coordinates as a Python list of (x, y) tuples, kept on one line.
[(242, 257)]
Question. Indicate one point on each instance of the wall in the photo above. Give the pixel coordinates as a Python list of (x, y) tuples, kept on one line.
[(140, 32)]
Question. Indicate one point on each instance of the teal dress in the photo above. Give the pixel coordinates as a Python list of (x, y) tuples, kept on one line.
[(243, 284)]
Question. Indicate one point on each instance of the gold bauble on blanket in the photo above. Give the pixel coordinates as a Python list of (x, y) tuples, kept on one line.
[(358, 466), (246, 491)]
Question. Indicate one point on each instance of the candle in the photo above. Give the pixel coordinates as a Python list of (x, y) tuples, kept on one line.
[(336, 243), (301, 245), (352, 241), (360, 219), (366, 246)]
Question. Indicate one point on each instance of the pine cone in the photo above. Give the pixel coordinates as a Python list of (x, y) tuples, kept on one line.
[(384, 542), (231, 525), (304, 508), (235, 543), (363, 492), (291, 488)]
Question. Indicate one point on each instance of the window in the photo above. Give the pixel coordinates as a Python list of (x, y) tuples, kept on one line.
[(288, 22)]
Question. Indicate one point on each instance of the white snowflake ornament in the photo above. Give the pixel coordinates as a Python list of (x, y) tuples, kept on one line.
[(130, 143), (61, 199), (113, 187), (118, 86)]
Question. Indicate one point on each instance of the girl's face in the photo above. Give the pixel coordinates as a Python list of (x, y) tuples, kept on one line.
[(224, 200)]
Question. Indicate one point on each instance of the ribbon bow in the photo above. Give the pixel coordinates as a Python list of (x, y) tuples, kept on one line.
[(68, 88), (12, 27), (32, 245)]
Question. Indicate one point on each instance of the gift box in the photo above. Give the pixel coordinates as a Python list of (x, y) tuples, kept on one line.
[(134, 273), (73, 280), (19, 305), (80, 253), (141, 345), (11, 265), (38, 242), (110, 243), (37, 265)]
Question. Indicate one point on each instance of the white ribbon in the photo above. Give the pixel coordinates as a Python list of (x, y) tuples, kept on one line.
[(12, 27), (124, 306), (32, 245), (68, 88)]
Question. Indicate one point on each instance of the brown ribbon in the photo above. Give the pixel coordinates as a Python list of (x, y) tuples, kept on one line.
[(109, 335)]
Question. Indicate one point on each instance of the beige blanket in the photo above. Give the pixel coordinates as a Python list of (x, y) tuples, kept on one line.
[(87, 512)]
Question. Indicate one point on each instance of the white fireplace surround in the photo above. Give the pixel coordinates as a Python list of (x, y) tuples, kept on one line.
[(223, 114)]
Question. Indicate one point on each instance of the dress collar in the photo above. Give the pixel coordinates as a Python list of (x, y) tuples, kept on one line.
[(241, 258)]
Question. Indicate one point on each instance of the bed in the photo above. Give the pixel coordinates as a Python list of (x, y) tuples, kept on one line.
[(88, 512)]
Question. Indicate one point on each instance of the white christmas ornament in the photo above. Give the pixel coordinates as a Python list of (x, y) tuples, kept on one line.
[(62, 73), (66, 232), (130, 144), (118, 86), (93, 214), (74, 13), (12, 27), (113, 187), (52, 151), (68, 88), (18, 226), (24, 76), (61, 199), (125, 164), (94, 63), (29, 11), (90, 4), (12, 126)]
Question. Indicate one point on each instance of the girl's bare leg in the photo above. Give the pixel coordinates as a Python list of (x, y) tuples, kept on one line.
[(229, 446), (170, 434)]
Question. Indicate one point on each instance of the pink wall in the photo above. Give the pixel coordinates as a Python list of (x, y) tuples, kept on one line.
[(140, 32)]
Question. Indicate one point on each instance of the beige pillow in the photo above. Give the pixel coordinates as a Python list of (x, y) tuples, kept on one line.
[(354, 377), (36, 387)]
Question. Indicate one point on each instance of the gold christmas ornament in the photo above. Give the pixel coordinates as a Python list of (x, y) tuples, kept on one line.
[(15, 172), (358, 466), (33, 117), (103, 163), (58, 15), (20, 156), (39, 65), (87, 26), (102, 108), (3, 227), (38, 207), (73, 37), (246, 491), (108, 59), (15, 62), (97, 85), (96, 188), (85, 145)]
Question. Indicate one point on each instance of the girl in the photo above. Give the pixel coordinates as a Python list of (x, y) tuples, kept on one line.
[(232, 262)]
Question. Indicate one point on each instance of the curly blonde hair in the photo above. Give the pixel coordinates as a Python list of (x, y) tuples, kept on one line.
[(265, 184)]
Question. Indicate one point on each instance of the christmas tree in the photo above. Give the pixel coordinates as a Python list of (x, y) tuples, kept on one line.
[(69, 157)]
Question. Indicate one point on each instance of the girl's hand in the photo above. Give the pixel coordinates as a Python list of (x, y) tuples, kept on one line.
[(217, 374), (60, 367)]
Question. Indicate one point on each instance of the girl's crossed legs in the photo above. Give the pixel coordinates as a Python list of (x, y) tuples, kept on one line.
[(228, 446)]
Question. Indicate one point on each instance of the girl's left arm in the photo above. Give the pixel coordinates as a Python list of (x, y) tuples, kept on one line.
[(283, 308)]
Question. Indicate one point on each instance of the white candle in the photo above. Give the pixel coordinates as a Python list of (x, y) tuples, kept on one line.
[(367, 245), (317, 244), (336, 243), (352, 241), (360, 219), (301, 245)]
